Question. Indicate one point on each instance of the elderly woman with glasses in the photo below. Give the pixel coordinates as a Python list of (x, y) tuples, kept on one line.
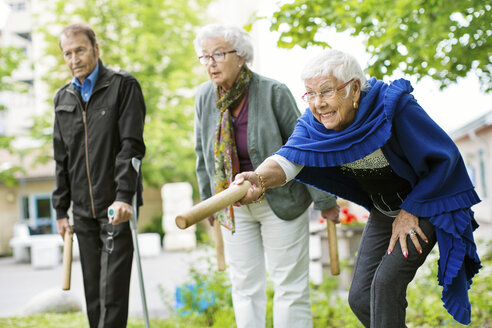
[(371, 143), (241, 118)]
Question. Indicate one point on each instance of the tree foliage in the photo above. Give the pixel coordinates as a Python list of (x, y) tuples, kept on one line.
[(10, 59), (441, 39), (151, 39)]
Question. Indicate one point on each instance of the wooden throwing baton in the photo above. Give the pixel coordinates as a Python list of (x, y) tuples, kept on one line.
[(212, 205), (67, 260), (219, 246), (333, 245)]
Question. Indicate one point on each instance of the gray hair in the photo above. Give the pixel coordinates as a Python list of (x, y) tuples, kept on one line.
[(76, 28), (341, 65), (235, 36)]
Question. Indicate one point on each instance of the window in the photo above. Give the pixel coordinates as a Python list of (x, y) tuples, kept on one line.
[(37, 210), (483, 173), (470, 167), (43, 206), (18, 6)]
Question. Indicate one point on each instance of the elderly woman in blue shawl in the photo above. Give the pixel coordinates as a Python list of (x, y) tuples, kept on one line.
[(371, 143)]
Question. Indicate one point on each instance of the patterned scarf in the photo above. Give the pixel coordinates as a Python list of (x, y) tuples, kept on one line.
[(226, 159)]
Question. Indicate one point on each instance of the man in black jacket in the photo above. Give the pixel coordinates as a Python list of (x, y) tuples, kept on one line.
[(98, 129)]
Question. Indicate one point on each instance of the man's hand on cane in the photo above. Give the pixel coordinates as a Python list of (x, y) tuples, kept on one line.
[(63, 225), (121, 212)]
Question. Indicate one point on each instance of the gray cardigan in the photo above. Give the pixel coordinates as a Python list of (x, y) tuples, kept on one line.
[(272, 116)]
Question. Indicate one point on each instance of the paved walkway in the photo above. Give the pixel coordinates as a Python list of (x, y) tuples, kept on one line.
[(20, 282)]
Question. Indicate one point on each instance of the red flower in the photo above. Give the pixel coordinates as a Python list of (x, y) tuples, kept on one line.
[(346, 217)]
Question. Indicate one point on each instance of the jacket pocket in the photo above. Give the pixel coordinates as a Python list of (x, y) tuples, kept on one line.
[(65, 108), (67, 122)]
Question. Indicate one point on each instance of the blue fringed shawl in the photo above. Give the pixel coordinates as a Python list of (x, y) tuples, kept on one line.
[(418, 150)]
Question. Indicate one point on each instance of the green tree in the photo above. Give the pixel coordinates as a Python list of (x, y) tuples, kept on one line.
[(10, 59), (441, 39), (153, 40)]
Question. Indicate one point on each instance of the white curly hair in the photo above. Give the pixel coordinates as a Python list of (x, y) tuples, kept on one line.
[(238, 38), (341, 65)]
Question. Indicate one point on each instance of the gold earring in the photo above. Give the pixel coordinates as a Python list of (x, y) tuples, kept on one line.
[(355, 105)]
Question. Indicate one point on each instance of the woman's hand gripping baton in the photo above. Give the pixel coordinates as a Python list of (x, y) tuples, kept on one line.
[(213, 204), (210, 206)]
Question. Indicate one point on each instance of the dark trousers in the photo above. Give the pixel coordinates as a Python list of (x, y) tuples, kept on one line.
[(106, 270), (378, 291)]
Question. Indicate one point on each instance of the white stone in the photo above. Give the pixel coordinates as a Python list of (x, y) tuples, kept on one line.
[(179, 241), (20, 243), (316, 272), (314, 247), (53, 300), (45, 251), (149, 244), (177, 199), (20, 253)]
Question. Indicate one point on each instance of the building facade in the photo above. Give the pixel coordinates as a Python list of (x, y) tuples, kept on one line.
[(474, 141)]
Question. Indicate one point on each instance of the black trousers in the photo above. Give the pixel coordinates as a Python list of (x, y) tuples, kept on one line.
[(378, 291), (106, 254)]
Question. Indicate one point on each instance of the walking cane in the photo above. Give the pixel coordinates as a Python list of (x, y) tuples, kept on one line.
[(333, 247), (133, 226), (67, 260), (219, 246)]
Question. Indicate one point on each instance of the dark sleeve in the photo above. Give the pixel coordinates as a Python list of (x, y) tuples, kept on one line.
[(61, 194), (321, 199), (130, 126)]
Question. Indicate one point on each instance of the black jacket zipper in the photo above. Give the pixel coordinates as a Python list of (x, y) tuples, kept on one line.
[(84, 119)]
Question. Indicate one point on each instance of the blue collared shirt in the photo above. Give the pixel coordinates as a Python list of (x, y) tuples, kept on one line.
[(87, 87)]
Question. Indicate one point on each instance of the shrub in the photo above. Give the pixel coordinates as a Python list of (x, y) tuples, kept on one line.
[(154, 225), (206, 295), (426, 309)]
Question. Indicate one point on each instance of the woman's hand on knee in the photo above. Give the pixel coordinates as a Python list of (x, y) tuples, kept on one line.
[(406, 224)]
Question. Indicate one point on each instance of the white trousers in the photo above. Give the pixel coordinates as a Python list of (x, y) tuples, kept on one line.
[(260, 233)]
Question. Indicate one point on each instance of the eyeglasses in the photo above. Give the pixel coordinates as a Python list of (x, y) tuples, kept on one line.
[(216, 57), (325, 94)]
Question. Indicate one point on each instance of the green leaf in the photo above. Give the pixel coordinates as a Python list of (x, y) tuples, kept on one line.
[(423, 27)]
